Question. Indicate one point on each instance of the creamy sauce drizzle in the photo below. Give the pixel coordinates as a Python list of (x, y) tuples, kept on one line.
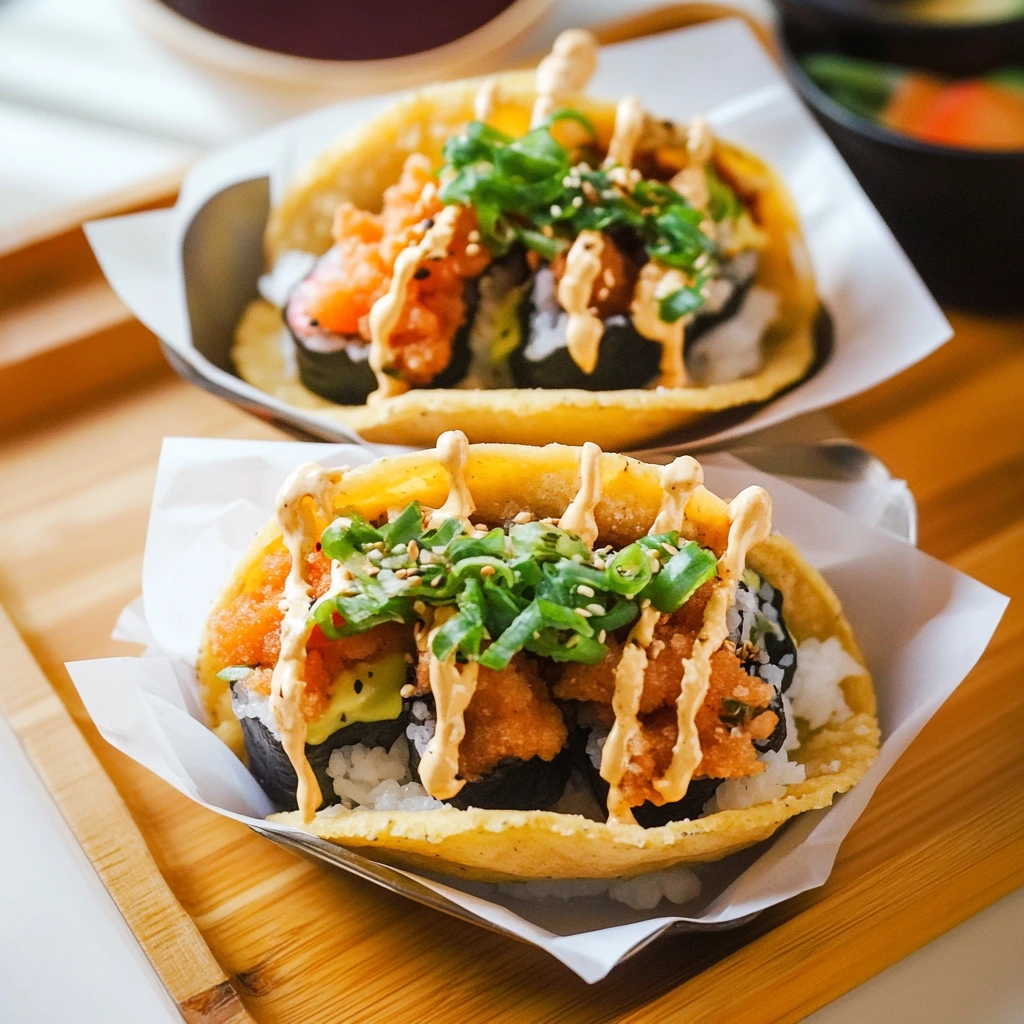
[(486, 98), (453, 687), (579, 518), (691, 182), (679, 480), (304, 494), (563, 72), (387, 310), (655, 283), (452, 451), (750, 521), (630, 120), (584, 328)]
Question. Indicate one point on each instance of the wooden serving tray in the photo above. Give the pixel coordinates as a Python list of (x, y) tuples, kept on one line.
[(239, 929)]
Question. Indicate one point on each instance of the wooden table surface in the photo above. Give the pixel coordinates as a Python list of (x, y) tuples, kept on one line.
[(941, 839), (235, 926)]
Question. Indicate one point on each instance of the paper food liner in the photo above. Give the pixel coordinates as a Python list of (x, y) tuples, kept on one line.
[(921, 626), (884, 319)]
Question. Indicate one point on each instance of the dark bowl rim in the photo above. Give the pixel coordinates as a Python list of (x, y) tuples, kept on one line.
[(875, 15), (835, 111)]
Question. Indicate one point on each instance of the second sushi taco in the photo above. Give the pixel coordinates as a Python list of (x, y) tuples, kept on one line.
[(515, 259), (508, 662)]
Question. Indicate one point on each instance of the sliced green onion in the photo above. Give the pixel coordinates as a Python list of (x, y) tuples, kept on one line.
[(345, 542), (529, 621), (620, 614), (443, 535), (681, 575), (546, 543), (465, 630), (629, 571), (492, 544), (471, 568), (408, 526), (234, 673), (585, 649)]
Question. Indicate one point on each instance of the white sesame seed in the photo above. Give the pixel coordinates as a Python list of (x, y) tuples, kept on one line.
[(472, 249), (373, 570), (556, 210), (401, 573), (474, 236), (585, 590), (522, 517), (408, 690), (671, 549), (436, 581), (414, 581), (398, 549), (600, 563), (586, 614), (596, 609), (577, 201), (438, 549), (487, 570), (375, 555), (414, 549)]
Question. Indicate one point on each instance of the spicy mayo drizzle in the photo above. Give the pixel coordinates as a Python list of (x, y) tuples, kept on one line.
[(679, 480), (655, 283), (584, 328), (452, 685), (692, 182), (750, 522), (304, 494), (630, 121), (385, 312), (563, 72), (578, 517)]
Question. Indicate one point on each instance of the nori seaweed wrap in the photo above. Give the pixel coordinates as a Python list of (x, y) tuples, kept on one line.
[(338, 368), (340, 726), (626, 359), (512, 784)]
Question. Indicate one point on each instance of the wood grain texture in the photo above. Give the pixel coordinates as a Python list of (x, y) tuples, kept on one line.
[(943, 836), (103, 826)]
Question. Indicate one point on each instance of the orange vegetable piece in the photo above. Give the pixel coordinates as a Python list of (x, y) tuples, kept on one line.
[(975, 115), (910, 102)]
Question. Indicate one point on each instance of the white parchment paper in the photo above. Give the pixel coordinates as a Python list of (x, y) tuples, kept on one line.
[(884, 318), (921, 624)]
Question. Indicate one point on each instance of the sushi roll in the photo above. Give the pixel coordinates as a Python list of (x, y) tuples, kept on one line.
[(364, 708), (738, 720), (520, 763), (665, 277), (436, 643), (336, 366)]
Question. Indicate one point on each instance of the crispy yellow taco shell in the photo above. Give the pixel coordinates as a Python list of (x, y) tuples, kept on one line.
[(364, 162), (508, 845)]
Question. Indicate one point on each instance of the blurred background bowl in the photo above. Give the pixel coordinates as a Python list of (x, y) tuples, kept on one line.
[(356, 48), (958, 213)]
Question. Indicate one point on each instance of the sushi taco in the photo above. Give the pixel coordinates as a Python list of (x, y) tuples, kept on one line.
[(599, 670), (515, 259)]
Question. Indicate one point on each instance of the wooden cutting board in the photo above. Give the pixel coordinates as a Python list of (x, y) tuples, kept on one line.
[(239, 929)]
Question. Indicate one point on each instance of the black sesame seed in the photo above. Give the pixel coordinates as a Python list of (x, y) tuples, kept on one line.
[(344, 717), (313, 322), (358, 687), (318, 545), (421, 273), (428, 223)]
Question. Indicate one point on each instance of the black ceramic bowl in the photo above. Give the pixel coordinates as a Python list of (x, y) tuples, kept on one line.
[(340, 29), (958, 213)]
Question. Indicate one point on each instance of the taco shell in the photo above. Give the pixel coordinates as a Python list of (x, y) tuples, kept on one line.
[(495, 845), (364, 162)]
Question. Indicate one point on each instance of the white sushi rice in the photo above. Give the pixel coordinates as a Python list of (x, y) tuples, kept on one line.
[(420, 731), (247, 704), (291, 267), (779, 772), (816, 694), (676, 885), (377, 779), (732, 349)]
